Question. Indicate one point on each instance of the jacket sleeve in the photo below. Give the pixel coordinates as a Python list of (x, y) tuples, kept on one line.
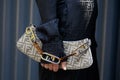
[(48, 31)]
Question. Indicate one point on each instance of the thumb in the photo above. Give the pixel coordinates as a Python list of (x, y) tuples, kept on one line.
[(63, 65)]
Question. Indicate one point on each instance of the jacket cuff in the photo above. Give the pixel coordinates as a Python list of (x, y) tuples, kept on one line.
[(48, 33), (48, 30)]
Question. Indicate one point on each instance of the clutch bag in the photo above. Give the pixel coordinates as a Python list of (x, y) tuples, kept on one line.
[(81, 59)]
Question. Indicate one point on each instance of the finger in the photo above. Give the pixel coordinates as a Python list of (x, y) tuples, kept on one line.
[(63, 65), (55, 67), (50, 67), (46, 66)]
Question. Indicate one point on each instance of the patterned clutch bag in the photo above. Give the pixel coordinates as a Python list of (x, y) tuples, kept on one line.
[(78, 52)]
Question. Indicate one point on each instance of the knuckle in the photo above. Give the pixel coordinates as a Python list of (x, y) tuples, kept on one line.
[(46, 66), (50, 66), (55, 68)]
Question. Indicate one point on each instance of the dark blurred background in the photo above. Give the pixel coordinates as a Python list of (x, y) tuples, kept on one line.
[(15, 15)]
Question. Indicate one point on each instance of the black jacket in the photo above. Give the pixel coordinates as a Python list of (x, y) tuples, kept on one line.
[(66, 20)]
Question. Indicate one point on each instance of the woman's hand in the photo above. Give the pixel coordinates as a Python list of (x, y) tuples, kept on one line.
[(54, 67)]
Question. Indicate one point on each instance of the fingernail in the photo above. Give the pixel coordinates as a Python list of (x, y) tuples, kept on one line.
[(64, 68)]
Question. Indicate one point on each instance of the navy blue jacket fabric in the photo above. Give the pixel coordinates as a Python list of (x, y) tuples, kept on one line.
[(68, 20)]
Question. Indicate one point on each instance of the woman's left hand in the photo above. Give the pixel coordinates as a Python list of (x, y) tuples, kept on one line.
[(55, 67)]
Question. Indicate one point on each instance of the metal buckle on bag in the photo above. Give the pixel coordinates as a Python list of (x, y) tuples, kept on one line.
[(50, 58), (30, 33)]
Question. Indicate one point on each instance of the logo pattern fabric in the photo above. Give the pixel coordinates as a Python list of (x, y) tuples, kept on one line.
[(25, 46), (83, 58)]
